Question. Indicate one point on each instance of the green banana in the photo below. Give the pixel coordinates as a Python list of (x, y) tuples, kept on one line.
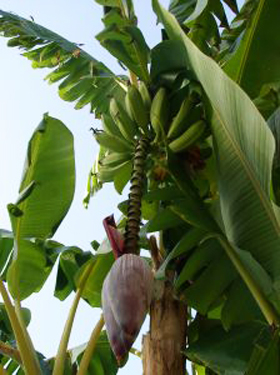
[(107, 174), (178, 123), (109, 126), (127, 127), (159, 113), (189, 137), (146, 97), (113, 143), (115, 158), (136, 108), (128, 107)]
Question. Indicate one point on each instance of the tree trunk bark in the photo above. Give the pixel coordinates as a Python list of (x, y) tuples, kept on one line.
[(163, 345)]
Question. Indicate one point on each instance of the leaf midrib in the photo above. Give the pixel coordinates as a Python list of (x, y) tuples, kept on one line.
[(251, 33), (252, 177)]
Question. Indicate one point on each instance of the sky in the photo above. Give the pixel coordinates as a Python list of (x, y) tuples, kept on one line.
[(24, 98)]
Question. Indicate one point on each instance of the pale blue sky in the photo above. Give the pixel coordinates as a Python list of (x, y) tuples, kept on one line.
[(24, 98)]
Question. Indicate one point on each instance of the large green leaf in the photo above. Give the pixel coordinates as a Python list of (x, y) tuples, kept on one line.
[(12, 366), (102, 263), (192, 209), (191, 9), (126, 42), (85, 79), (6, 331), (70, 261), (244, 148), (103, 361), (265, 358), (164, 219), (211, 284), (166, 58), (207, 279), (256, 60), (226, 353), (186, 243), (182, 9), (239, 299), (72, 264), (268, 100), (46, 193), (126, 7)]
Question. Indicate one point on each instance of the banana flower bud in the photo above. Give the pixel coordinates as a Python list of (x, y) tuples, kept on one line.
[(126, 297)]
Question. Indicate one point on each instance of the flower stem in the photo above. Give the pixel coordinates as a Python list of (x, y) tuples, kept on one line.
[(267, 309), (62, 349), (28, 340), (90, 347), (28, 360)]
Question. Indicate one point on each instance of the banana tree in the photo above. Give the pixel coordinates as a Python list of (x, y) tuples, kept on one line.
[(192, 130)]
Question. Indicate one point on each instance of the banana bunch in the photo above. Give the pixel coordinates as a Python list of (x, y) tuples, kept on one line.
[(140, 115), (122, 127), (118, 150), (175, 132)]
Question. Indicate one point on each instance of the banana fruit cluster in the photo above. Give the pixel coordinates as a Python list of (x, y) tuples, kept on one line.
[(139, 116)]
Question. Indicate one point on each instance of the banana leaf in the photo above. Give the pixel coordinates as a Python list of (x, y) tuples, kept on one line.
[(244, 148), (126, 42), (226, 353), (83, 78), (45, 195), (256, 57)]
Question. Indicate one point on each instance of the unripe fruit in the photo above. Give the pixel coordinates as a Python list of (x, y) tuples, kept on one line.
[(144, 92), (189, 137), (159, 113), (126, 297), (136, 107)]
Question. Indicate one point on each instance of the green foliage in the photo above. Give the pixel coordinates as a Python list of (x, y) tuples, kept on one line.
[(265, 357), (190, 10), (250, 60), (84, 79), (6, 332), (211, 198), (50, 170), (101, 266), (103, 361), (125, 41), (224, 353), (70, 261), (240, 136)]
